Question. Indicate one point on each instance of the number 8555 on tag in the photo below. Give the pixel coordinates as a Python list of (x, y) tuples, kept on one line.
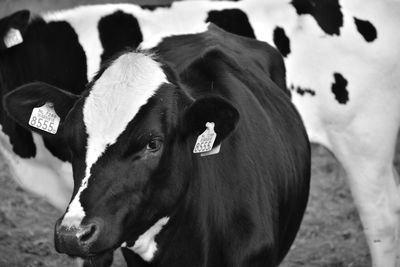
[(45, 118)]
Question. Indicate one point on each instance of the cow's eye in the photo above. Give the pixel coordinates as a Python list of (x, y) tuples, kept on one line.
[(154, 145)]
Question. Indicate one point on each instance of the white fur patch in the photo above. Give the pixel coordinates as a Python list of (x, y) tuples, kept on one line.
[(145, 246), (113, 102), (85, 20), (43, 169)]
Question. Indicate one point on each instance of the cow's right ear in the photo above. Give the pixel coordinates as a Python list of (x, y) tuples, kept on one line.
[(213, 109), (20, 103), (12, 28)]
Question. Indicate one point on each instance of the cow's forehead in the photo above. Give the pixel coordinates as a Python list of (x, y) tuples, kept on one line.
[(116, 97)]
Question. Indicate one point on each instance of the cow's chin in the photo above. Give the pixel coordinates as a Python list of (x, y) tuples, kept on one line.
[(104, 258), (100, 253), (102, 248)]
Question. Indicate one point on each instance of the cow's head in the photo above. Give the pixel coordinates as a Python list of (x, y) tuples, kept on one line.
[(12, 29), (131, 137), (30, 51)]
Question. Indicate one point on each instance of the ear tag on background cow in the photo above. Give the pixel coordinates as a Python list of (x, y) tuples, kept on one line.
[(205, 141), (13, 38), (45, 118)]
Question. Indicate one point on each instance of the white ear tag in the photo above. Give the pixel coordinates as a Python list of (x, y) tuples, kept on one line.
[(45, 118), (213, 151), (205, 141), (13, 38)]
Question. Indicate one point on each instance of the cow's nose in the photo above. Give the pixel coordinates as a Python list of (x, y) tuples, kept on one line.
[(87, 234), (76, 241)]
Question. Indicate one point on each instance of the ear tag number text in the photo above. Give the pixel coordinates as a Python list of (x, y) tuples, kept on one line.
[(13, 38), (206, 140), (45, 118)]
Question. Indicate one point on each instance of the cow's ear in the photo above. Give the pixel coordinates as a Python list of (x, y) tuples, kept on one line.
[(21, 102), (12, 28), (211, 109)]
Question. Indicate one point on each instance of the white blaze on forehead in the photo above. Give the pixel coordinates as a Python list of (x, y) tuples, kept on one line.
[(145, 246), (113, 102)]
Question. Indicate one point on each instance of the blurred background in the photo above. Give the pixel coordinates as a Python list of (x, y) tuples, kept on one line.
[(331, 234)]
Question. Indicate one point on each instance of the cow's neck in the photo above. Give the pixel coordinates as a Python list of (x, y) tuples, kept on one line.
[(194, 234), (184, 241), (188, 238)]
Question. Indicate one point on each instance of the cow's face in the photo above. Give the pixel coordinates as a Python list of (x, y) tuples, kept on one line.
[(116, 174), (131, 139)]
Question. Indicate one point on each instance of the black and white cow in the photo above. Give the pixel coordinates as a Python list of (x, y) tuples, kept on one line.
[(342, 69), (137, 179)]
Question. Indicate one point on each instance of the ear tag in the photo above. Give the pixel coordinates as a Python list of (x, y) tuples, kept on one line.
[(13, 38), (213, 151), (45, 118), (206, 140)]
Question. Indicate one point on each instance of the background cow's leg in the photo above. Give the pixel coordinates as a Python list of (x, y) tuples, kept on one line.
[(367, 159), (377, 199)]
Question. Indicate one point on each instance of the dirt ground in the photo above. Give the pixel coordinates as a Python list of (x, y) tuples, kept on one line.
[(331, 233)]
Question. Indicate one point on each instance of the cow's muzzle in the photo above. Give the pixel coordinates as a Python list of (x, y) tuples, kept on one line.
[(77, 241)]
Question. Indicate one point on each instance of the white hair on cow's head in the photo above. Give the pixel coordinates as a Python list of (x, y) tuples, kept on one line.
[(114, 100)]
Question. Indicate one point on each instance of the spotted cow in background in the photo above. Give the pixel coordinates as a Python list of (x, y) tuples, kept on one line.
[(342, 71)]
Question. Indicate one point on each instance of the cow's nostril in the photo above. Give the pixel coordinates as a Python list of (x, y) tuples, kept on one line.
[(87, 234)]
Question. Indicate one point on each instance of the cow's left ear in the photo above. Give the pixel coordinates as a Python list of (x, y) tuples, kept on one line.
[(211, 109), (12, 28), (54, 102)]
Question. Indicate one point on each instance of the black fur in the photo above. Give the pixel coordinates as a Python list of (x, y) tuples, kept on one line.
[(117, 32), (339, 88), (366, 29), (155, 7), (302, 91), (232, 20), (281, 41), (327, 13)]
